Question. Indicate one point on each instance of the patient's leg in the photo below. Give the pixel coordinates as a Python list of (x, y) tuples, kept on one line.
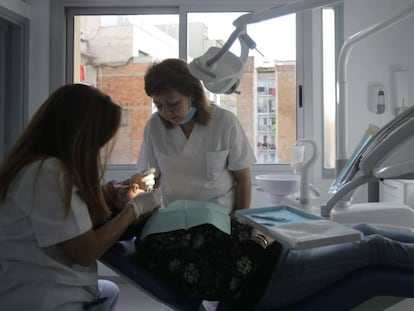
[(300, 273), (402, 235)]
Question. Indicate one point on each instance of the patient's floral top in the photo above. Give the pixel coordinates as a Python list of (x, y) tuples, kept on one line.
[(208, 264)]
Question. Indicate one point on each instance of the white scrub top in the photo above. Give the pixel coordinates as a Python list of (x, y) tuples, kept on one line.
[(34, 273), (198, 168)]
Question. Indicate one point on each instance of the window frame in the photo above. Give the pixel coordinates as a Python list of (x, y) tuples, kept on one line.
[(329, 173), (64, 11), (14, 61)]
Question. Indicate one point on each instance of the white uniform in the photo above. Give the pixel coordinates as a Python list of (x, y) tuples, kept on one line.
[(197, 168), (34, 273)]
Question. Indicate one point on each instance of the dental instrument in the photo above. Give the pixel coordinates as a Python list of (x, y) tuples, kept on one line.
[(270, 217)]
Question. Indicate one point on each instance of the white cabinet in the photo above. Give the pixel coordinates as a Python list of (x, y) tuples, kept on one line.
[(397, 190)]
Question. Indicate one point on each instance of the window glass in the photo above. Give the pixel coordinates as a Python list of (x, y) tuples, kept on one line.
[(328, 80), (113, 52)]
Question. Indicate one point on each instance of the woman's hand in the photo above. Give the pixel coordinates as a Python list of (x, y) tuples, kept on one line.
[(145, 203)]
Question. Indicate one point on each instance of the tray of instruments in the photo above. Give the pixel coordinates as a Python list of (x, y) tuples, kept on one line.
[(297, 229)]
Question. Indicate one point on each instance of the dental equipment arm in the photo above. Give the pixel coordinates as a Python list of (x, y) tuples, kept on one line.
[(219, 69), (345, 189), (388, 155)]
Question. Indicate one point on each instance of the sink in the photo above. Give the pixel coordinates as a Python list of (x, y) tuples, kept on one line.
[(278, 186)]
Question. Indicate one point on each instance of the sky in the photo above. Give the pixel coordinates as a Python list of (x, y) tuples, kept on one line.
[(275, 38)]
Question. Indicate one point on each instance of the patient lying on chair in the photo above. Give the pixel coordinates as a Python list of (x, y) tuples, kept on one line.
[(250, 273), (118, 193)]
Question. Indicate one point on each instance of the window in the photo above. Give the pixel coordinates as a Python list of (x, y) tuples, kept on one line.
[(269, 82), (13, 77), (112, 52), (330, 42)]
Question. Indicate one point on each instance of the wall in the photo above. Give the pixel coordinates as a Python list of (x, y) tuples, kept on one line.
[(37, 12), (373, 60)]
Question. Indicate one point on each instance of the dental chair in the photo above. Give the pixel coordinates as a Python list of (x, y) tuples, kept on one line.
[(343, 295), (386, 154)]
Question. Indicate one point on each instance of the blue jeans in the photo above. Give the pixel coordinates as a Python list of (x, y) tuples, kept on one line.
[(300, 273), (108, 297)]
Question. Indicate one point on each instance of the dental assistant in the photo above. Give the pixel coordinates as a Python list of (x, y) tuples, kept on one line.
[(54, 222), (199, 149)]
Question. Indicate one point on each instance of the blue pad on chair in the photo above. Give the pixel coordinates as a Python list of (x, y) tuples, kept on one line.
[(343, 295), (122, 259)]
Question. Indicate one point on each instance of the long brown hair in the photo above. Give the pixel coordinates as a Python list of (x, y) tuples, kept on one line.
[(174, 74), (72, 125)]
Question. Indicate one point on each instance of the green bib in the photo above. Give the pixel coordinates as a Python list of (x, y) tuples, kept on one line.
[(185, 214)]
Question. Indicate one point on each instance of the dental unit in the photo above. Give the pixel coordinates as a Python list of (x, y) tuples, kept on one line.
[(293, 189), (377, 158), (385, 153), (301, 166), (220, 70)]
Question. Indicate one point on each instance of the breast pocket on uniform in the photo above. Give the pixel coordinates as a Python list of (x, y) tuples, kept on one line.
[(216, 163)]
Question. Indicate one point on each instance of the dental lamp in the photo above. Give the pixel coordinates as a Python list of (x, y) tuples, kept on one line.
[(219, 69)]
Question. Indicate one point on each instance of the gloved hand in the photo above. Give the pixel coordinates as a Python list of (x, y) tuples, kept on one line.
[(145, 179), (146, 202), (149, 178)]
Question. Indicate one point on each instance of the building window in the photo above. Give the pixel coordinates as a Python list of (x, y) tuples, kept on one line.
[(113, 52)]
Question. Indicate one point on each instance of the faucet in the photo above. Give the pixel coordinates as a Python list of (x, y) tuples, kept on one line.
[(301, 166)]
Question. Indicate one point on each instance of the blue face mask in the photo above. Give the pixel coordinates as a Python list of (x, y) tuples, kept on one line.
[(189, 115)]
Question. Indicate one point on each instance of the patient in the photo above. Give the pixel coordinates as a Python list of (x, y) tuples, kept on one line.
[(118, 193), (235, 269)]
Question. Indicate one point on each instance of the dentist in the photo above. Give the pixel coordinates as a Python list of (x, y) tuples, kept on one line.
[(199, 149)]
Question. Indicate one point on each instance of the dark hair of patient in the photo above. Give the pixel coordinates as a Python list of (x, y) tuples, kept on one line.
[(174, 74), (72, 125)]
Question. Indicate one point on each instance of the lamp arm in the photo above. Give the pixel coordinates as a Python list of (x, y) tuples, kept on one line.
[(281, 10), (241, 22), (233, 36)]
